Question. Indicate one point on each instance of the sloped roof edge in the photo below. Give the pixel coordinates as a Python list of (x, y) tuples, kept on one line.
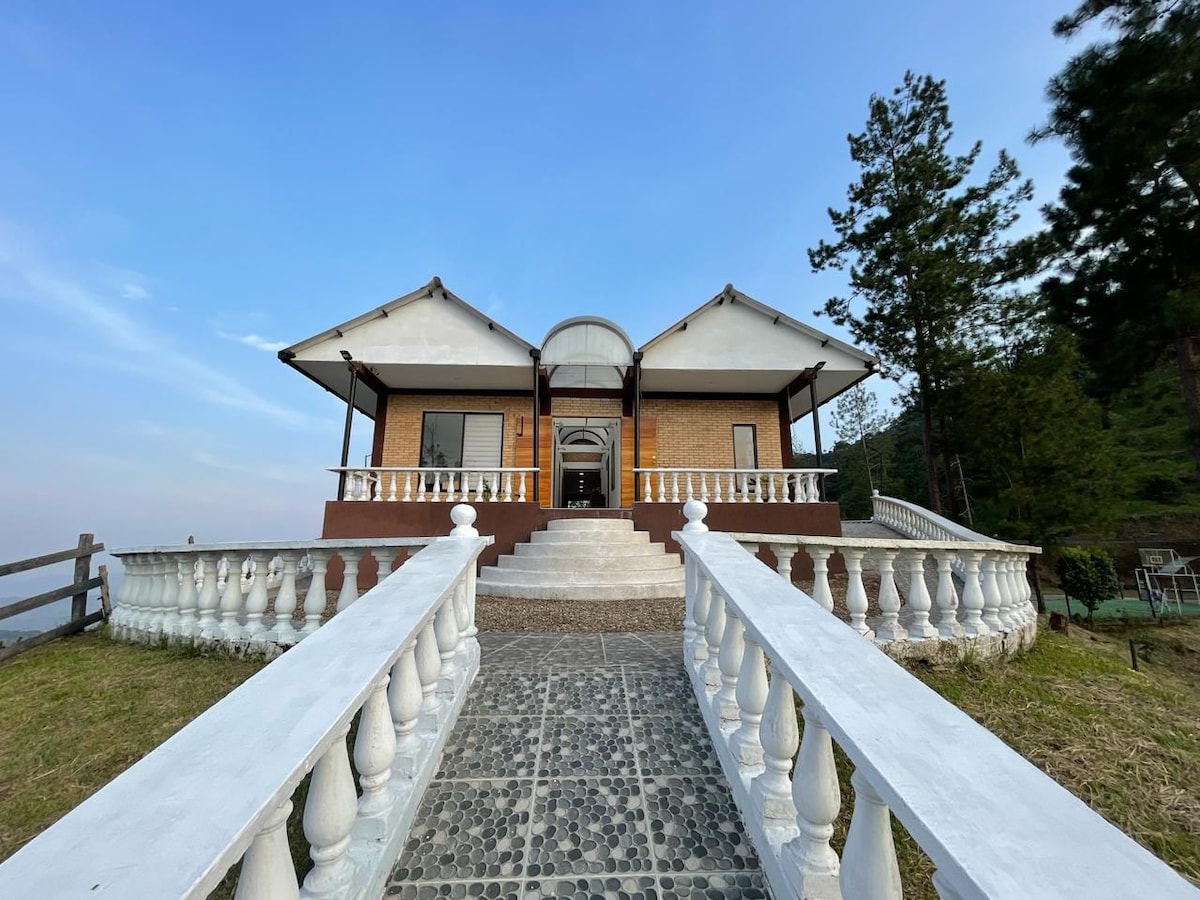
[(434, 286), (732, 293)]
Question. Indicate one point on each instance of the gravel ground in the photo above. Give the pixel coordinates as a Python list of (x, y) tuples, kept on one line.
[(503, 614)]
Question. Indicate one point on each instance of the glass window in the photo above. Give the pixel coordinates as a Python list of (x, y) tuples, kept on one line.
[(461, 440), (745, 447)]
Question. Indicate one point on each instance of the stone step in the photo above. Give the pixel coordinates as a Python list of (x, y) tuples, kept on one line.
[(642, 562), (578, 549), (596, 592), (592, 525), (597, 577), (590, 536)]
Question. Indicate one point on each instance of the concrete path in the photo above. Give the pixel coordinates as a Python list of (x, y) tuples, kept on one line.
[(580, 767)]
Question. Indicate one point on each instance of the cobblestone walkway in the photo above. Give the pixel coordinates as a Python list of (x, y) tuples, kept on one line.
[(580, 767)]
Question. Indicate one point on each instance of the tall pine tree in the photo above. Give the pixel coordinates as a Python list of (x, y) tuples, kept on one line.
[(1128, 219), (928, 255)]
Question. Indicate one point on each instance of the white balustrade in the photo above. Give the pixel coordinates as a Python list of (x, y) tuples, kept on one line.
[(421, 484), (235, 768), (963, 795), (178, 593), (672, 485)]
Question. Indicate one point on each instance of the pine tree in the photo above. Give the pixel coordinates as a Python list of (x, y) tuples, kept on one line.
[(927, 252), (1128, 220)]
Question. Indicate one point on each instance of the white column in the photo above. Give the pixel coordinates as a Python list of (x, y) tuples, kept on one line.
[(869, 868), (429, 667), (703, 487), (188, 597), (991, 594), (349, 592), (374, 750), (783, 559), (730, 660), (408, 487), (231, 599), (256, 600), (919, 626), (208, 602), (856, 591), (947, 598), (329, 815), (751, 699), (662, 487), (820, 560), (404, 701), (316, 598), (714, 631), (810, 863), (972, 598), (268, 872), (445, 629), (888, 628), (521, 488), (169, 611), (772, 790), (284, 631), (700, 610)]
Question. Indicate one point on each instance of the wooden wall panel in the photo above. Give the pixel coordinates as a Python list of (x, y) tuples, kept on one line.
[(546, 461)]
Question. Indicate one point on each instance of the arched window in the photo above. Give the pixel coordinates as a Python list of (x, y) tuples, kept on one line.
[(587, 352)]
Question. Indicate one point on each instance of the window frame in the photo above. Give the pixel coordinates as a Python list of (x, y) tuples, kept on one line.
[(753, 443), (462, 434)]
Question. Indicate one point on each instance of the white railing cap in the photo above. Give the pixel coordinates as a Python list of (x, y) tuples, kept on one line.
[(278, 546), (725, 471), (433, 469), (961, 531), (901, 543), (995, 826), (172, 824)]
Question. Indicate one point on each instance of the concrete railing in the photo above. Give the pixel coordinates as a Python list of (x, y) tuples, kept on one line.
[(416, 484), (185, 592), (994, 825), (731, 485), (916, 598), (916, 521), (400, 660)]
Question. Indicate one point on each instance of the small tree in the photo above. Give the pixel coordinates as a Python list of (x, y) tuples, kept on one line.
[(1087, 575), (857, 420)]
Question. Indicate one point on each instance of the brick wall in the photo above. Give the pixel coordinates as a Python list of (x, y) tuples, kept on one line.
[(584, 407), (697, 433), (402, 431)]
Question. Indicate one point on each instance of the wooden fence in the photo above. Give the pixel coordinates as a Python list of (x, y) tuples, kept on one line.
[(77, 591)]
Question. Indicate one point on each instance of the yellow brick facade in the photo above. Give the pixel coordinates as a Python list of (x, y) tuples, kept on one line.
[(402, 431), (699, 433), (586, 407)]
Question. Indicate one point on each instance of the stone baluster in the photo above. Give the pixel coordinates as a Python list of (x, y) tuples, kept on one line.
[(437, 487), (349, 592), (404, 702), (647, 494), (783, 560), (770, 476), (407, 487), (751, 699), (703, 487), (690, 495), (888, 628), (947, 598), (745, 480), (462, 618), (991, 594), (521, 488), (1012, 615), (429, 667), (268, 872), (349, 493), (208, 602), (450, 498), (135, 570), (772, 789), (1004, 609), (374, 752), (856, 591), (256, 599), (420, 486), (662, 487), (508, 488), (714, 631), (869, 867), (733, 648), (316, 598), (820, 560), (151, 587), (329, 815), (972, 598), (284, 632), (1024, 588), (188, 596), (690, 585), (445, 629), (919, 626), (674, 487), (731, 487), (168, 618), (700, 610), (810, 864), (231, 601)]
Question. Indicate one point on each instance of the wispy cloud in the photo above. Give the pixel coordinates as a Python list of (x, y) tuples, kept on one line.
[(132, 291), (253, 340), (28, 276)]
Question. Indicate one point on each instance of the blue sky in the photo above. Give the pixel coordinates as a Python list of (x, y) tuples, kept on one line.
[(183, 190)]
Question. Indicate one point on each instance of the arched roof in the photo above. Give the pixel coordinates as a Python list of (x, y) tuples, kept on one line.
[(587, 352)]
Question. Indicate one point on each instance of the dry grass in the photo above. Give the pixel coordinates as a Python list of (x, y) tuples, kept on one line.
[(79, 711)]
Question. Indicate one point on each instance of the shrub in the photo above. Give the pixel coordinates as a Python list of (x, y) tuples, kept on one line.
[(1087, 576)]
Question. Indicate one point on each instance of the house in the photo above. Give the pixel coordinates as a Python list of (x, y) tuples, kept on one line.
[(583, 424)]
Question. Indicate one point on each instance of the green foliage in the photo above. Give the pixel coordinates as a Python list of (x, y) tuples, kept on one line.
[(1127, 222), (1087, 576), (927, 251), (858, 421)]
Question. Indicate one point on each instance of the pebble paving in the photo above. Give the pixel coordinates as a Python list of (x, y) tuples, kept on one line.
[(579, 768)]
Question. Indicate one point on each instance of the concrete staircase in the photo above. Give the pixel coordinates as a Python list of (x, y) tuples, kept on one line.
[(585, 559)]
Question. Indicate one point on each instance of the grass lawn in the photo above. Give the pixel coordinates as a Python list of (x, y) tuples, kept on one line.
[(80, 710)]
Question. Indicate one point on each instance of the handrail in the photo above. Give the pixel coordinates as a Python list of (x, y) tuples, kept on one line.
[(759, 471), (957, 531), (967, 799), (746, 537), (730, 485), (383, 483), (176, 821)]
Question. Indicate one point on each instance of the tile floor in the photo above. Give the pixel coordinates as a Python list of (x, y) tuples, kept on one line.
[(579, 768)]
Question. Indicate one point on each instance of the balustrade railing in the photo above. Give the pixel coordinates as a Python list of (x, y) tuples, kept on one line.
[(423, 484), (916, 598), (400, 660), (993, 825), (186, 592), (731, 485)]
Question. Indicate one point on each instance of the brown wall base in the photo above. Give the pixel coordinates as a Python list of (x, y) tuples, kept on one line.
[(512, 523)]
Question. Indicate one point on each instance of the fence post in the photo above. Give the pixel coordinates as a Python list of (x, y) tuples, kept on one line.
[(83, 568)]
